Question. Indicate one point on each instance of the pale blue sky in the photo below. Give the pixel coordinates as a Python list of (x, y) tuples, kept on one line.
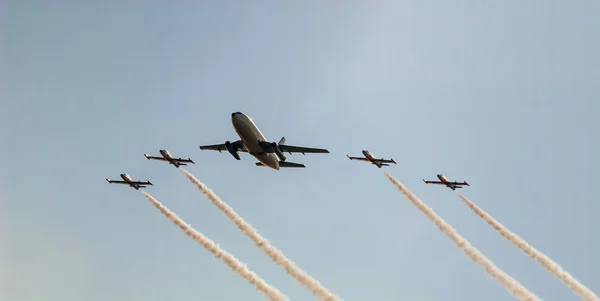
[(501, 94)]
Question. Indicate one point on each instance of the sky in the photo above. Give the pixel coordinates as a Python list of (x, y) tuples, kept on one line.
[(503, 95)]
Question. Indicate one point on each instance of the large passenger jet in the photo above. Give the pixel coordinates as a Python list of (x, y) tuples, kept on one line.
[(252, 141)]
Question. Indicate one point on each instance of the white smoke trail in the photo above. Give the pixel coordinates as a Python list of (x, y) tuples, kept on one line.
[(490, 268), (551, 266), (277, 256), (238, 267)]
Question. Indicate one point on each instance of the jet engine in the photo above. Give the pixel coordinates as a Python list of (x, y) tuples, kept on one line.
[(232, 150), (278, 151)]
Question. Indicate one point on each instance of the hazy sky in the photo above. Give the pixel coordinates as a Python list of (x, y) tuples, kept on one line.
[(502, 94)]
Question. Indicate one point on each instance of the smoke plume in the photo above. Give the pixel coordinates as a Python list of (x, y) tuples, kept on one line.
[(238, 267), (490, 268), (277, 256), (551, 266)]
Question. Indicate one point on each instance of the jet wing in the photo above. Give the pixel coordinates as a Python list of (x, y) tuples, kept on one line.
[(458, 183), (222, 147), (433, 182), (385, 161), (116, 182), (142, 183), (268, 148), (300, 149), (217, 147), (155, 158), (358, 158), (188, 160)]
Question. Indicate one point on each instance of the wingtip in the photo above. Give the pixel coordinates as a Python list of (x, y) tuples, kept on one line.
[(146, 155), (192, 161), (108, 180)]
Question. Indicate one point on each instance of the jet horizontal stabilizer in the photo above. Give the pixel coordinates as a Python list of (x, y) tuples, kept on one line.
[(290, 164), (285, 164)]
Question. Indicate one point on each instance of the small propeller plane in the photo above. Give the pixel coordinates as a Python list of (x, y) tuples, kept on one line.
[(253, 142), (166, 156), (370, 158), (128, 181), (444, 181)]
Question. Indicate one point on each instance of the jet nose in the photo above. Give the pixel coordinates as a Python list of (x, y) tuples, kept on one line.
[(236, 113)]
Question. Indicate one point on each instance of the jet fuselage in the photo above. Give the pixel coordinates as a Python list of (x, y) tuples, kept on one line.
[(126, 178), (129, 181), (250, 135), (368, 155), (442, 178), (445, 181), (166, 154)]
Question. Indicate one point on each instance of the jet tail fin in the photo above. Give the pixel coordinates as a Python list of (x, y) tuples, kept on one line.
[(282, 140)]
